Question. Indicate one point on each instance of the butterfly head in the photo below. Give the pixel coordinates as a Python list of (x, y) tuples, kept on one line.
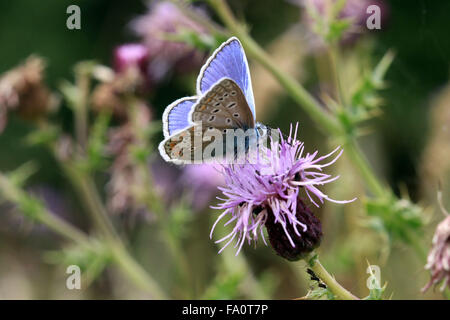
[(262, 131)]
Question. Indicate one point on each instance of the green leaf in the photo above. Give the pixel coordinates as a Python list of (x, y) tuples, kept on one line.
[(224, 287), (96, 153), (399, 218), (91, 260), (42, 136)]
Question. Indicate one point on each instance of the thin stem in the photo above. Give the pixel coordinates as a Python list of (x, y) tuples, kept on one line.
[(339, 291), (85, 186), (332, 56), (151, 200), (153, 204), (359, 160), (119, 254), (134, 271), (86, 189), (81, 107), (14, 194), (89, 194)]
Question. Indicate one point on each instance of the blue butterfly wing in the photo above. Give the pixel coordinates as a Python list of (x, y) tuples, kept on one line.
[(176, 116), (228, 61)]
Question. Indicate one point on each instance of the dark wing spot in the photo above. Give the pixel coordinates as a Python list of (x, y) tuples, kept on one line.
[(211, 118), (236, 115), (233, 93), (231, 105), (228, 120), (215, 110)]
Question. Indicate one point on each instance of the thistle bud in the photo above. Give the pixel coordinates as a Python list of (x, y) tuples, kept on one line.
[(131, 55), (22, 90), (304, 242), (439, 257)]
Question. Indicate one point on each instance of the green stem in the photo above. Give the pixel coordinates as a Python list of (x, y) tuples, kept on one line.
[(153, 204), (339, 291), (134, 271), (88, 193), (332, 57), (151, 200), (81, 107), (359, 160), (85, 187), (14, 194)]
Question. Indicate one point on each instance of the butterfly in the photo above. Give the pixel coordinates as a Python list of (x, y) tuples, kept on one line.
[(224, 104)]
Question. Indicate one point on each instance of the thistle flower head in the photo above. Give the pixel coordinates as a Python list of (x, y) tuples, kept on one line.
[(23, 90), (131, 55), (202, 180), (163, 19), (125, 177), (439, 257), (325, 17), (275, 194)]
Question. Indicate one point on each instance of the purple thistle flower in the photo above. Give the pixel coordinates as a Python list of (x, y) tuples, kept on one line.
[(273, 194), (439, 257), (162, 19), (202, 180), (353, 10), (131, 55)]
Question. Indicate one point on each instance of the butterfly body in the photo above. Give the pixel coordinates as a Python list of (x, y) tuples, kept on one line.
[(222, 115)]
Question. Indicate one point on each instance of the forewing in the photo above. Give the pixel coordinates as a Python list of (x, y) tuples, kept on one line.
[(224, 106), (228, 61)]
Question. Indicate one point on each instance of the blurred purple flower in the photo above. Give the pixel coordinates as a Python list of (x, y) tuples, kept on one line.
[(269, 194), (166, 180), (165, 18), (131, 55), (202, 181), (22, 89), (439, 258), (353, 10), (51, 198), (125, 177)]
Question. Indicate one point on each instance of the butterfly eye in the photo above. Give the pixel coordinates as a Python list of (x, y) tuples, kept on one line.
[(231, 105)]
